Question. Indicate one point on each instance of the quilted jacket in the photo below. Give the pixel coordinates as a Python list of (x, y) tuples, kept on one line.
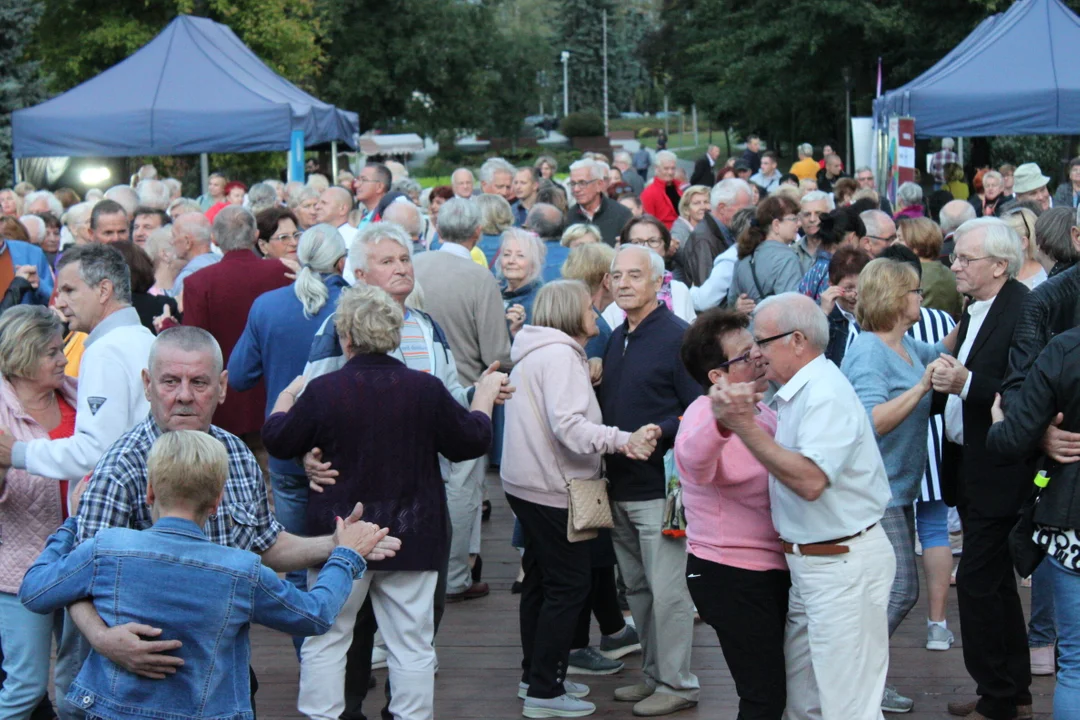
[(30, 507)]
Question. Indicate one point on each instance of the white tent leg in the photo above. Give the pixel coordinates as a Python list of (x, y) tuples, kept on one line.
[(333, 161), (960, 151), (204, 172), (18, 175)]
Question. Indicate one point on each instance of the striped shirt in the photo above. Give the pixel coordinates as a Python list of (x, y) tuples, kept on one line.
[(932, 328), (413, 350)]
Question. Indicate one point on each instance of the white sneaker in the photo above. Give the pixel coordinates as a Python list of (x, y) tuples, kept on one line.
[(939, 638), (577, 690), (378, 657), (564, 706)]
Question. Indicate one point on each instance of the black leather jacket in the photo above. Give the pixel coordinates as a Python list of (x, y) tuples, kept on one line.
[(1052, 385)]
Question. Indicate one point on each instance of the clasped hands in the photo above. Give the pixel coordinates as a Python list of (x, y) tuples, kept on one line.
[(642, 442), (945, 375), (734, 405)]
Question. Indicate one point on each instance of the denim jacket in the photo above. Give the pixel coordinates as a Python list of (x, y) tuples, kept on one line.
[(205, 595)]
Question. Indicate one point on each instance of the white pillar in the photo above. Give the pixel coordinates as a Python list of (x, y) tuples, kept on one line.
[(333, 161), (204, 172)]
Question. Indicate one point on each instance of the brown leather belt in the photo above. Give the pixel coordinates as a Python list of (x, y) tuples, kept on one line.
[(825, 547)]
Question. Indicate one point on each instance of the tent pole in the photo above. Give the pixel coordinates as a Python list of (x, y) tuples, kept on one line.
[(960, 151), (15, 165), (204, 172), (333, 160)]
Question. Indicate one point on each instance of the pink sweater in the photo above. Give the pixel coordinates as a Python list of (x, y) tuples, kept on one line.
[(29, 505), (726, 493), (562, 438)]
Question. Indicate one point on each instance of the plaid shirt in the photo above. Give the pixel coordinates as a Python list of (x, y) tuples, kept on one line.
[(938, 162), (816, 279), (116, 496)]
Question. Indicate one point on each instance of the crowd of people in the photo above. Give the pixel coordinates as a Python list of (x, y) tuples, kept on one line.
[(790, 386)]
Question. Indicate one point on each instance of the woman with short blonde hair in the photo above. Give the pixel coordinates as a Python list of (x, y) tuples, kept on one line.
[(693, 206), (580, 234), (496, 217), (591, 264), (368, 321), (923, 236), (1022, 221)]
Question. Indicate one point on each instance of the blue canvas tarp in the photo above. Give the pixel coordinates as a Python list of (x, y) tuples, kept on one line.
[(194, 88), (1017, 73)]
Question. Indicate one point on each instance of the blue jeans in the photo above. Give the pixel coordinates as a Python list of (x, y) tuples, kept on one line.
[(27, 639), (1066, 589), (290, 507), (1041, 630)]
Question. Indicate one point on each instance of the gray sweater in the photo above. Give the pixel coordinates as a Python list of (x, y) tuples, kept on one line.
[(777, 269)]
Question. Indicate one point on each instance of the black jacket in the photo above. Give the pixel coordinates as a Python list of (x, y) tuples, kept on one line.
[(697, 254), (838, 334), (150, 306), (704, 172), (1051, 386), (968, 476), (610, 218)]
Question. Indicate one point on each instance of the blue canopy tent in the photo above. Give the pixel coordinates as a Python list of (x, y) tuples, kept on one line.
[(195, 88), (1017, 73)]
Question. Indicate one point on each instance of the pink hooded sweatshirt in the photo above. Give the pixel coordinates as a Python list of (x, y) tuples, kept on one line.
[(561, 438)]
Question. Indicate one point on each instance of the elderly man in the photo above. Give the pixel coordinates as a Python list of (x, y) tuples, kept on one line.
[(645, 383), (371, 186), (146, 221), (218, 299), (333, 208), (524, 190), (43, 201), (593, 205), (184, 382), (497, 178), (661, 198), (462, 181), (622, 160), (154, 193), (464, 299), (813, 206), (712, 235), (192, 241), (940, 159), (865, 177), (1029, 185), (35, 228), (407, 216), (215, 191), (953, 214), (109, 222), (828, 490), (547, 222), (705, 168), (768, 177), (806, 167), (880, 232)]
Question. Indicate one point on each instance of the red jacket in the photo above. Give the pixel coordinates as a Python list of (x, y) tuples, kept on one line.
[(218, 299), (655, 201)]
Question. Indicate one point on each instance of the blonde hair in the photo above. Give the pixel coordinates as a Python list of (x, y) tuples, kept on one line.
[(578, 231), (495, 214), (368, 319), (1022, 221), (531, 245), (590, 264), (188, 468), (561, 305), (923, 236), (883, 288), (25, 334), (688, 196)]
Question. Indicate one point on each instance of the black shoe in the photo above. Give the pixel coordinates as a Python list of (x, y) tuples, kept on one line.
[(485, 513), (477, 568), (515, 588)]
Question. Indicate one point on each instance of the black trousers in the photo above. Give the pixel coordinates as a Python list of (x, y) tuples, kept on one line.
[(991, 618), (558, 578), (748, 610), (603, 602)]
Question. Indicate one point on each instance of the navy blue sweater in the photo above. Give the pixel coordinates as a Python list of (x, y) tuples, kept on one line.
[(645, 382)]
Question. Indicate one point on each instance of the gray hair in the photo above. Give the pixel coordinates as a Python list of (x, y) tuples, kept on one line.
[(622, 156), (187, 338), (910, 193), (406, 186), (98, 263), (292, 189), (727, 192), (77, 214), (665, 156), (993, 175), (947, 143), (495, 165), (25, 334), (197, 226), (954, 214), (157, 241), (578, 231), (34, 226), (375, 233), (999, 241), (320, 248), (147, 172), (404, 214), (153, 194), (298, 196), (656, 263), (318, 181), (175, 187), (124, 195), (183, 206), (595, 171), (815, 195), (1053, 234), (534, 248), (806, 149), (262, 196), (865, 168), (874, 220), (462, 170), (235, 229), (459, 219), (795, 311), (368, 319), (495, 213), (543, 219), (55, 206)]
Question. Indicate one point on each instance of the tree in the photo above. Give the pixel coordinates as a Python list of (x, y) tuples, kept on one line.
[(581, 32), (21, 84)]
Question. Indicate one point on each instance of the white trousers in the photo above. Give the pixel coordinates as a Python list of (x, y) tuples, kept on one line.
[(836, 643), (404, 603)]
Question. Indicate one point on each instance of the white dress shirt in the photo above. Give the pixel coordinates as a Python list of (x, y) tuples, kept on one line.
[(954, 406), (820, 417), (348, 234)]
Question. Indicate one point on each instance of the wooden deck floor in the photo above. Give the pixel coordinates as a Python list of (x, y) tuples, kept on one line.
[(479, 656)]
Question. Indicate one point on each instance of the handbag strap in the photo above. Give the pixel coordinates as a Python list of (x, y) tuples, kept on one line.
[(753, 272)]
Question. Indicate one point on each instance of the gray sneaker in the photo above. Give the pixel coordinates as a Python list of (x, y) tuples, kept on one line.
[(614, 648), (588, 661), (578, 690), (939, 638), (894, 702), (564, 706)]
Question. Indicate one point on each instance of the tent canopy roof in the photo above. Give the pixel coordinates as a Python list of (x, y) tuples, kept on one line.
[(194, 88), (1017, 73)]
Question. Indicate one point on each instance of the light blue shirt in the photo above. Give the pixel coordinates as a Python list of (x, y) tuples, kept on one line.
[(23, 253), (194, 265)]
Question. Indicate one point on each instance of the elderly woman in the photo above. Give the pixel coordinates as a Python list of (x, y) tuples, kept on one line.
[(77, 222), (580, 234), (767, 266), (735, 568), (51, 244), (924, 238), (1022, 221), (302, 203), (891, 373), (1054, 240), (909, 201), (496, 217), (590, 264), (650, 232), (37, 400), (839, 228), (1068, 193), (546, 166), (162, 255), (693, 206), (993, 195), (554, 433), (279, 235), (383, 427), (518, 267)]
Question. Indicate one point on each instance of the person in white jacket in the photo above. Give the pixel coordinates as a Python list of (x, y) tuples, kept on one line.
[(94, 296)]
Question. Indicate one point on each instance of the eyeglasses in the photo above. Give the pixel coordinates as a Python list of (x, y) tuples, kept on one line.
[(575, 184), (790, 218), (286, 237), (653, 242), (765, 341), (963, 262), (889, 240), (744, 358)]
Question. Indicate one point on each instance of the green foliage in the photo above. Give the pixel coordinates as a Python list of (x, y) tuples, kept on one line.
[(1046, 150), (21, 83), (582, 124)]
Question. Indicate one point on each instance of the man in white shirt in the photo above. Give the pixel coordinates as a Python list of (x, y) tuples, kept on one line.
[(829, 490)]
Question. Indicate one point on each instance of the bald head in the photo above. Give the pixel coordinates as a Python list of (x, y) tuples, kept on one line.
[(462, 181), (334, 206), (954, 214), (546, 221), (406, 215)]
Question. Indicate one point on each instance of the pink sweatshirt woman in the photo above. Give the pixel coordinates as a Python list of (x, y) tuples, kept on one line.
[(553, 431), (726, 493)]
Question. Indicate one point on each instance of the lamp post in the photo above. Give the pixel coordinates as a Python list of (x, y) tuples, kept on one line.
[(565, 79), (847, 118)]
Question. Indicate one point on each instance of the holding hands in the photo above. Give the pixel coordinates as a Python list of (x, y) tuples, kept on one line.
[(506, 390), (949, 376), (734, 404), (642, 442), (926, 383)]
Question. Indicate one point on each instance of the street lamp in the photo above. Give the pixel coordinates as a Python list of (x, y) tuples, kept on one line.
[(565, 79)]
